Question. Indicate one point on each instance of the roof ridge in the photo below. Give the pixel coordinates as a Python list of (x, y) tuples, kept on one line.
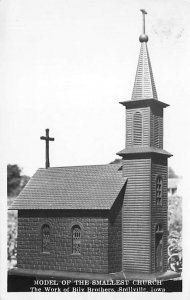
[(79, 166)]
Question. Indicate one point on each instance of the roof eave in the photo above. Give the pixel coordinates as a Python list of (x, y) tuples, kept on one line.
[(126, 153), (143, 102)]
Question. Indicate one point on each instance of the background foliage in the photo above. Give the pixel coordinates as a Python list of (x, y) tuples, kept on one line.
[(15, 183), (175, 233)]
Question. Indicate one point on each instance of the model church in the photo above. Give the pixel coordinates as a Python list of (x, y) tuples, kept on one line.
[(103, 218)]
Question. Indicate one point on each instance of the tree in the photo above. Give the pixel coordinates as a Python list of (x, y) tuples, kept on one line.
[(175, 233), (15, 181), (171, 173)]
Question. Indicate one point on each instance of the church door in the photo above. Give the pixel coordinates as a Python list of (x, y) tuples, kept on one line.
[(159, 250)]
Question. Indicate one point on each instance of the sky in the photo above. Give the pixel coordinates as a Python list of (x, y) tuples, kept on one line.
[(66, 64)]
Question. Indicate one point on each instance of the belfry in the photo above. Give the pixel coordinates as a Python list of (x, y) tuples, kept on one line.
[(103, 219)]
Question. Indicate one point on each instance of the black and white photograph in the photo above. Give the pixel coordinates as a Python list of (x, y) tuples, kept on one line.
[(94, 122)]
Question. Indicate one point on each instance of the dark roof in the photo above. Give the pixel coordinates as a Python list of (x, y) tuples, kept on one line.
[(141, 149), (143, 103), (79, 187)]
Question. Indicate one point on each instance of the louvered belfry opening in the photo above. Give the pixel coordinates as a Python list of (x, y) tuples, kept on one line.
[(156, 132), (137, 128)]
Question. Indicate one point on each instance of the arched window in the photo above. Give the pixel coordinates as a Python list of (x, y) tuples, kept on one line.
[(137, 128), (45, 238), (159, 190), (76, 239)]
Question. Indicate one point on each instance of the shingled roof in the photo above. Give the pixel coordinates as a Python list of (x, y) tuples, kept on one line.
[(79, 187)]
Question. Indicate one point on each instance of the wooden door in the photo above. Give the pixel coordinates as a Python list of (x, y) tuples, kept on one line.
[(159, 253)]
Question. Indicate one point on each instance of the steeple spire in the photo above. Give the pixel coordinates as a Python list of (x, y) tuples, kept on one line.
[(144, 86)]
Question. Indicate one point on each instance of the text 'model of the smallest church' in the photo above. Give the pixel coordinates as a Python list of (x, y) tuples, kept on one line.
[(104, 219)]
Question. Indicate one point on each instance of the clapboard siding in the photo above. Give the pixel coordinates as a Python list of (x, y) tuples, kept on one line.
[(136, 215), (145, 111), (159, 213), (156, 127)]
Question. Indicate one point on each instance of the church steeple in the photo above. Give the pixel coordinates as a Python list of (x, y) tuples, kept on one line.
[(144, 164), (144, 86)]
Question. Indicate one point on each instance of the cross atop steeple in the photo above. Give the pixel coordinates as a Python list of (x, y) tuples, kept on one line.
[(144, 86), (143, 15), (47, 139)]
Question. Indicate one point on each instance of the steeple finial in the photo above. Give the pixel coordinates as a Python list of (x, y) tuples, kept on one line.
[(143, 37)]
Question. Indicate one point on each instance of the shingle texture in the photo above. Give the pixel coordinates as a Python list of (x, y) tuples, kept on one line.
[(79, 187)]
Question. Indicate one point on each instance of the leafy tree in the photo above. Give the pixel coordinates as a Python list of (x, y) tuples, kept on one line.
[(15, 181), (175, 233)]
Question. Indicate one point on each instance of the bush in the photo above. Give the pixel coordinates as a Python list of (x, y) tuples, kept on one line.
[(12, 238), (175, 233)]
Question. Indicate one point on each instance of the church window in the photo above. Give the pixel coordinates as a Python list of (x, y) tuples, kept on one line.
[(137, 128), (76, 239), (45, 238), (159, 190)]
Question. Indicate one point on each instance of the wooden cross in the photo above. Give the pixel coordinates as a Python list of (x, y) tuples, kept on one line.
[(47, 139), (143, 14)]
